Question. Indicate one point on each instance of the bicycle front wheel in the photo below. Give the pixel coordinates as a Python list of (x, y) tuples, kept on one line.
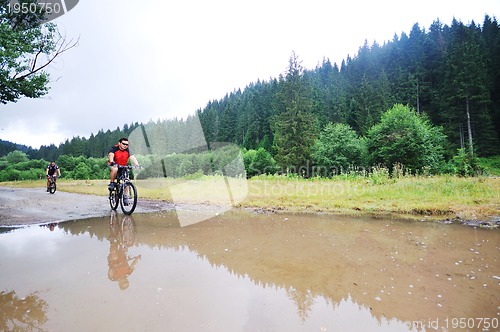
[(52, 188), (129, 198), (114, 198)]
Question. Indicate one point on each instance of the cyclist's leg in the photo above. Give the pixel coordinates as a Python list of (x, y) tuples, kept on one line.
[(113, 171)]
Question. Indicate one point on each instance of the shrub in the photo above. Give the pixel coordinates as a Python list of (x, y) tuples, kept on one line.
[(259, 162), (405, 137), (338, 147), (10, 174), (16, 156), (462, 164), (81, 172)]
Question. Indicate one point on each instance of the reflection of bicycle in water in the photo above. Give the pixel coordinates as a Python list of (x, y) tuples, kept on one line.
[(122, 236), (124, 191)]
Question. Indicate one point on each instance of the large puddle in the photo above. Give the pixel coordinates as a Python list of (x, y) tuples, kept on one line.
[(249, 272)]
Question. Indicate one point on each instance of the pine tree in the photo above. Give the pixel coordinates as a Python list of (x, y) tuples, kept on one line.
[(467, 91), (295, 126)]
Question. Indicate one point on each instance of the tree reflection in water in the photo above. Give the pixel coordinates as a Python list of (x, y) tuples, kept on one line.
[(22, 314), (303, 300)]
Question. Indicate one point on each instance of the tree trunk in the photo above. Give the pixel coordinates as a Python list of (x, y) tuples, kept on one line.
[(469, 129), (418, 99), (462, 138)]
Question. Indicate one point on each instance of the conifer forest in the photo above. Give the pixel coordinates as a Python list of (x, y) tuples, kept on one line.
[(434, 94)]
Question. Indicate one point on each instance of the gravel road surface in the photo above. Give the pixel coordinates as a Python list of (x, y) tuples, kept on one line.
[(20, 206)]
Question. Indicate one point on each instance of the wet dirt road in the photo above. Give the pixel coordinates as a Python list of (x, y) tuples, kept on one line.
[(28, 206), (244, 271)]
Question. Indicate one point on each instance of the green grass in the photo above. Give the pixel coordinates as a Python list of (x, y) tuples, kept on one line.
[(408, 196), (440, 196)]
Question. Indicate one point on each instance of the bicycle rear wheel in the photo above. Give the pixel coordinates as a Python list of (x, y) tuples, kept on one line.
[(52, 188), (114, 198), (129, 198)]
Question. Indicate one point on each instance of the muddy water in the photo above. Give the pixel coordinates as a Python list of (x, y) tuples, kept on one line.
[(249, 272)]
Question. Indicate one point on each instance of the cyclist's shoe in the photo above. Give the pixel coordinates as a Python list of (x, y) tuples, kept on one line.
[(125, 200), (48, 189), (111, 186)]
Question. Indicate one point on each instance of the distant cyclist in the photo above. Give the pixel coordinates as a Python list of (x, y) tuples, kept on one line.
[(50, 171), (119, 154)]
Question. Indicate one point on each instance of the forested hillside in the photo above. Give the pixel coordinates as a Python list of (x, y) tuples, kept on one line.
[(443, 72), (448, 74)]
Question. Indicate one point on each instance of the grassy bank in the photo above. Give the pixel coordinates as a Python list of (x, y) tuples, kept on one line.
[(440, 197), (415, 197)]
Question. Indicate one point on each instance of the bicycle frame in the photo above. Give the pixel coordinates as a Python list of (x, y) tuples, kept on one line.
[(123, 186), (122, 175)]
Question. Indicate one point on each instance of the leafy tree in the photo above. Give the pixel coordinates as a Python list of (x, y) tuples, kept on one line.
[(10, 174), (16, 156), (338, 147), (186, 167), (403, 136), (259, 162), (82, 172), (26, 49), (31, 174), (30, 164)]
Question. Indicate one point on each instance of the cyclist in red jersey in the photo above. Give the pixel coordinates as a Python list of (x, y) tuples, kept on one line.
[(119, 154)]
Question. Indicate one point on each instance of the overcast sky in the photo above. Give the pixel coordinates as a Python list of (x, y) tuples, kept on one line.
[(158, 59)]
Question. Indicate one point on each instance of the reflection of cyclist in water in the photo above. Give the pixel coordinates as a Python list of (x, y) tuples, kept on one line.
[(51, 226), (122, 236)]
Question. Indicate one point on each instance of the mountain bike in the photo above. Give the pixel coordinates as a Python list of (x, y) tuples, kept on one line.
[(124, 191), (52, 184)]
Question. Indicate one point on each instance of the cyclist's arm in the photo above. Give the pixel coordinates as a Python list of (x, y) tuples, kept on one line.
[(111, 157), (134, 160)]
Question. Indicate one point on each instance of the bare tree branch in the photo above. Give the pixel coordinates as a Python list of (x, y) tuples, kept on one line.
[(63, 47)]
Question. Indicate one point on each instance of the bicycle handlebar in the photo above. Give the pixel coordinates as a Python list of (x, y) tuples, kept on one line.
[(129, 167)]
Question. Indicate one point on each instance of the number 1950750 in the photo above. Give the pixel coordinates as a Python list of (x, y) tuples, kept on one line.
[(47, 8)]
